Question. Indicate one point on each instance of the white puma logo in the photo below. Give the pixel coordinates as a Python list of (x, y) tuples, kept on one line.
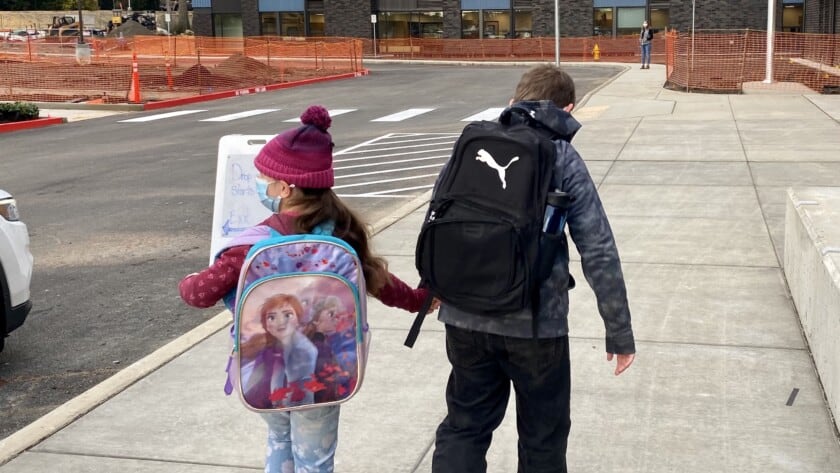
[(489, 160)]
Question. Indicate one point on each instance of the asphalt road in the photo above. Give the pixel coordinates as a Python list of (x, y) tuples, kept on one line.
[(119, 210)]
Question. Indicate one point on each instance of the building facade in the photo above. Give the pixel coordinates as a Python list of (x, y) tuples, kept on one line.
[(489, 19)]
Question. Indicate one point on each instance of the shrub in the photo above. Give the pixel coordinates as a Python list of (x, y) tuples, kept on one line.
[(17, 111)]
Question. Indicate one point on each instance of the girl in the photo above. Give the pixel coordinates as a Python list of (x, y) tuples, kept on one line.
[(296, 176)]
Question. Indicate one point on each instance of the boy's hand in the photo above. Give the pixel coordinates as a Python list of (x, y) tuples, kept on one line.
[(622, 363)]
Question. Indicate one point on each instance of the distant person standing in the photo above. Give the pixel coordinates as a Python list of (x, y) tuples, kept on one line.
[(645, 38)]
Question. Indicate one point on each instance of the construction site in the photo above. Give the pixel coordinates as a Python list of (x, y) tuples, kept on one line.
[(133, 60)]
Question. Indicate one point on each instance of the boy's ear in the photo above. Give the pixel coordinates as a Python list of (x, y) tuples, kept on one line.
[(511, 102), (568, 108)]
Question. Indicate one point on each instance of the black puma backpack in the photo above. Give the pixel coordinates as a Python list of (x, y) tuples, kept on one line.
[(479, 247)]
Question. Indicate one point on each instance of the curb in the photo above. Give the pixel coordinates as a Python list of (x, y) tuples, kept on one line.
[(63, 415), (70, 411), (29, 124), (582, 102), (248, 91)]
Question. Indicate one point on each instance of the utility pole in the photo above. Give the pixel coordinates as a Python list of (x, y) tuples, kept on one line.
[(557, 33), (771, 35), (81, 25), (82, 49)]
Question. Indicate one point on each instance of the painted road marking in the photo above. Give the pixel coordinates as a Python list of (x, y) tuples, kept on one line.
[(388, 159), (161, 116), (404, 115), (385, 181), (377, 156), (385, 171), (333, 114), (237, 116), (489, 114), (392, 193), (426, 158)]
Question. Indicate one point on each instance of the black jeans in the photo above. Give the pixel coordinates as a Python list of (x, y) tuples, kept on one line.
[(483, 367)]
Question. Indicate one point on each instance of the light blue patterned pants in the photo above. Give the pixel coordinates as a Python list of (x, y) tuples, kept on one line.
[(302, 441)]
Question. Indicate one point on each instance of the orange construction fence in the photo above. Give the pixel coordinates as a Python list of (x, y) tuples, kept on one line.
[(173, 67), (166, 67), (723, 61), (599, 48)]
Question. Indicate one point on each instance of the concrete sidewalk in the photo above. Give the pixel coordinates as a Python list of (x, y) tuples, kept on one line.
[(695, 189)]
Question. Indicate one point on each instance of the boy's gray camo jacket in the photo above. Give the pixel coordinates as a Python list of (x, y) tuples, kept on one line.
[(590, 231)]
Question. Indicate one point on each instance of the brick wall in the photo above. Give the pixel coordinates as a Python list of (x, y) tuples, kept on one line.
[(575, 18), (352, 17), (349, 18), (250, 18), (452, 19), (202, 22), (812, 16), (722, 14), (818, 16)]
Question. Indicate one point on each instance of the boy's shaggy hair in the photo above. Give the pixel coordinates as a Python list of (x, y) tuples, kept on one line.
[(546, 82)]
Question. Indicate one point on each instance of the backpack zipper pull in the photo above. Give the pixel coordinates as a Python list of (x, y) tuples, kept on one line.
[(440, 209)]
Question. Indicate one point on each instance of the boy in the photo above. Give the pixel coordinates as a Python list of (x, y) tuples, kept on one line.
[(487, 354)]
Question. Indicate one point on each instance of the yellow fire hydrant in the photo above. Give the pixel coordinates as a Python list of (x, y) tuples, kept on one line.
[(596, 52)]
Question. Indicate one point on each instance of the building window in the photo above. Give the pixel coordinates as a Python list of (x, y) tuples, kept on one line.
[(469, 25), (268, 24), (659, 18), (292, 24), (413, 24), (792, 17), (282, 24), (603, 22), (316, 24), (524, 23), (489, 24), (496, 24), (630, 20), (227, 25)]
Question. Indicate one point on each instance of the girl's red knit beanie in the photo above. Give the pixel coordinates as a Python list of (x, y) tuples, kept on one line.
[(302, 156)]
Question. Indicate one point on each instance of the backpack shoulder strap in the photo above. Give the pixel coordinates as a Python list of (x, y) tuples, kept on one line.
[(249, 236)]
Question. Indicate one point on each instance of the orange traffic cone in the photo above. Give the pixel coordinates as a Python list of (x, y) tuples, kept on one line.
[(134, 89)]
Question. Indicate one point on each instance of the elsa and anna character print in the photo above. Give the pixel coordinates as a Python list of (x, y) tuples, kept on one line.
[(298, 343)]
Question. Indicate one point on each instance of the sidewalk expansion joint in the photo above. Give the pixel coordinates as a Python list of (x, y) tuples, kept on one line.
[(145, 459), (700, 344)]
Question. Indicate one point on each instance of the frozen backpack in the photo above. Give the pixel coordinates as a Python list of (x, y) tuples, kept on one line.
[(300, 332)]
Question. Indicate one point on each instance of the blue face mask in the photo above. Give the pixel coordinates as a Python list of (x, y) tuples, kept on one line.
[(271, 203)]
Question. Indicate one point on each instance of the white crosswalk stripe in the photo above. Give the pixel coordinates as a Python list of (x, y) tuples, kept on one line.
[(407, 114), (333, 114), (161, 116), (489, 114), (384, 181), (237, 116), (375, 168), (425, 158), (404, 115)]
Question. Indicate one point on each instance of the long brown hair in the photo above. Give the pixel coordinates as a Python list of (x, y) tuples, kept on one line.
[(320, 205)]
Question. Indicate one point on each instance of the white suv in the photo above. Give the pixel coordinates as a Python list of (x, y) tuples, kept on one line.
[(15, 267)]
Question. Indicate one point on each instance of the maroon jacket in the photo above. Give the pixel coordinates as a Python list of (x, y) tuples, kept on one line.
[(206, 288)]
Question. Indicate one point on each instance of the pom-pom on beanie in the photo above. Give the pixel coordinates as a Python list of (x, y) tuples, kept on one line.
[(302, 156)]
